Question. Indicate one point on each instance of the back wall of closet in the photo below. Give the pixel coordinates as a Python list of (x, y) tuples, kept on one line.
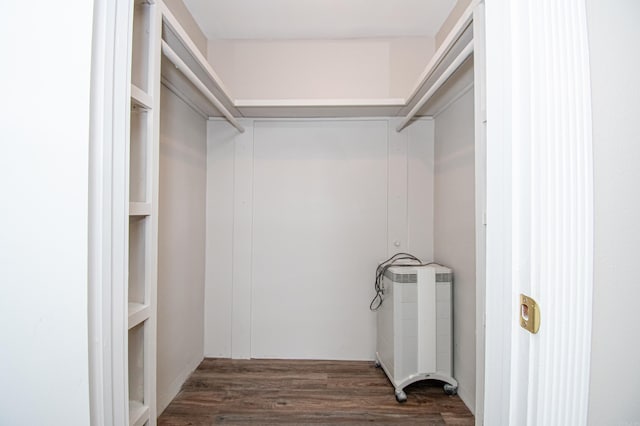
[(299, 213), (321, 69)]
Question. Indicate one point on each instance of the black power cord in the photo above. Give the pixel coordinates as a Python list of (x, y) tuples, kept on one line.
[(377, 300)]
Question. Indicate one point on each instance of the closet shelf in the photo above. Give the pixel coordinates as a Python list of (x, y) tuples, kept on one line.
[(196, 79), (199, 91), (457, 39), (317, 108), (138, 313), (140, 97), (139, 209), (193, 78), (178, 45), (138, 413), (442, 79)]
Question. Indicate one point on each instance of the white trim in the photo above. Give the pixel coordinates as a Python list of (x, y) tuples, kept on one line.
[(99, 377), (498, 229), (165, 398), (108, 203), (480, 148), (242, 265), (285, 119), (154, 57), (240, 103)]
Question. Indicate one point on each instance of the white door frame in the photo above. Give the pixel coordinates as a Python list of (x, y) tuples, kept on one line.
[(107, 236), (480, 136), (109, 124), (498, 290)]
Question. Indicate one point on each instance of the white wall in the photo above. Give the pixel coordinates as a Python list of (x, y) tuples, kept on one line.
[(450, 22), (180, 11), (181, 245), (408, 57), (44, 141), (322, 69), (454, 229), (319, 221), (299, 213), (221, 144), (615, 60)]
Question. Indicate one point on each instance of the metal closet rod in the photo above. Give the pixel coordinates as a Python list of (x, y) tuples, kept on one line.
[(462, 56), (184, 69)]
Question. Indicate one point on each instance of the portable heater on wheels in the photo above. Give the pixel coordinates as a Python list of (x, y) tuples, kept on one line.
[(414, 319)]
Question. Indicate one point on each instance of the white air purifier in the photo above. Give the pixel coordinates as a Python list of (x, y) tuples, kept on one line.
[(415, 328)]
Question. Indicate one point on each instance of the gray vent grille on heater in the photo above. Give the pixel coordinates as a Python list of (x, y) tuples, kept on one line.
[(444, 278), (412, 277), (401, 278)]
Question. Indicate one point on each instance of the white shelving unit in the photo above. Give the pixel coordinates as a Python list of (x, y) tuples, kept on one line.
[(190, 76), (142, 176)]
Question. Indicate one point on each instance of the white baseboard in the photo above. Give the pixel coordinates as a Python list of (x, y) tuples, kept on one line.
[(165, 396), (468, 398)]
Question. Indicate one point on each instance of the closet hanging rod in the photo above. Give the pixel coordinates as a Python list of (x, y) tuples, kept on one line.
[(184, 69), (462, 56)]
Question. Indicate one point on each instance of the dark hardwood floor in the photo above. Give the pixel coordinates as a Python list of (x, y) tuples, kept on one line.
[(276, 392)]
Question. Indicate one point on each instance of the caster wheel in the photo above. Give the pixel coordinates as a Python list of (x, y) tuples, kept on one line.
[(450, 389), (377, 364), (401, 396)]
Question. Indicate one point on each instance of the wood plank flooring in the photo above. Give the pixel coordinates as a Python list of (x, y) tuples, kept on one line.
[(277, 392)]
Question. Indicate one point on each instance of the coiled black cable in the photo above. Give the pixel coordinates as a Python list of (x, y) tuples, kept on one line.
[(377, 300)]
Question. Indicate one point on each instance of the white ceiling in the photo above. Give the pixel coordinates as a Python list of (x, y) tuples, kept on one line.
[(318, 19)]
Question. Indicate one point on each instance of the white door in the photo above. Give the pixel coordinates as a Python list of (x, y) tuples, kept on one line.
[(540, 212)]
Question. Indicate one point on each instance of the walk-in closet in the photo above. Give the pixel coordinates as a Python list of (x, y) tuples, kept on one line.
[(255, 225)]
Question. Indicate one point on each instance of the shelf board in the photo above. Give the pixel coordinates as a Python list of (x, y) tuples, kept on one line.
[(141, 98), (318, 108), (341, 102), (138, 413), (177, 38), (139, 209), (179, 41), (138, 312), (451, 46)]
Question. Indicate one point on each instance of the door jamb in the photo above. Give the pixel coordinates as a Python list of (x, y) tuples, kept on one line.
[(107, 266)]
